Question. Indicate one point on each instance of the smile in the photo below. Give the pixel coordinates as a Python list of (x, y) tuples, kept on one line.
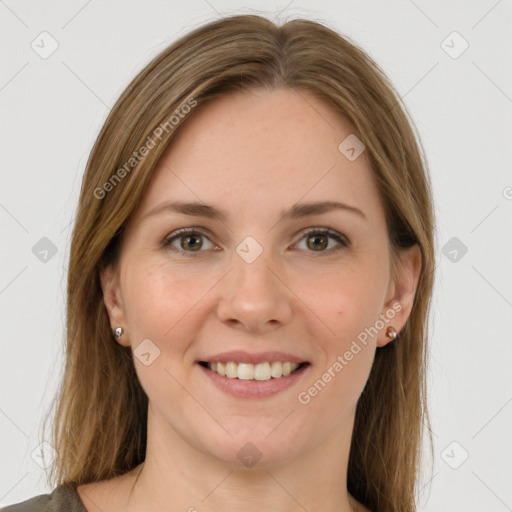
[(262, 380), (247, 371)]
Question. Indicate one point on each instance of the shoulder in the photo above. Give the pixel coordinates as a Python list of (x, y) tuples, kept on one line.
[(31, 505), (63, 498)]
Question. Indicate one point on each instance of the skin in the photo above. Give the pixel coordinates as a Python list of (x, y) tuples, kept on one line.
[(253, 154)]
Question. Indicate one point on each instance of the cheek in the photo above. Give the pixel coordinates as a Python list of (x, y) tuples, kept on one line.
[(335, 388), (158, 306), (157, 300), (349, 306), (339, 379), (350, 300)]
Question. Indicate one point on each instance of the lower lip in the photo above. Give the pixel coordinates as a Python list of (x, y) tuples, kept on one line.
[(254, 388)]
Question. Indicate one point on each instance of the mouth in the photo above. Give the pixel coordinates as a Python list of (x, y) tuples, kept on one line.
[(258, 372)]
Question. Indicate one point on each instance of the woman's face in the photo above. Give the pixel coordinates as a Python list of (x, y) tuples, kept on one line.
[(258, 276)]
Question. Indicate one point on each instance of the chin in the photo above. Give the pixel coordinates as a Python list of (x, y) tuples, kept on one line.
[(253, 450)]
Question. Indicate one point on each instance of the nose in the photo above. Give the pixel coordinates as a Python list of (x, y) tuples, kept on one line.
[(255, 297)]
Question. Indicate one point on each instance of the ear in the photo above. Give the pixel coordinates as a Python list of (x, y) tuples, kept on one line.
[(401, 292), (112, 298)]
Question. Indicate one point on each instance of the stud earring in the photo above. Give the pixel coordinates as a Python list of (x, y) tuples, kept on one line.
[(118, 333), (391, 333)]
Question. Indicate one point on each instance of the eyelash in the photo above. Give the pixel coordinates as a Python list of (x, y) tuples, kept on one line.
[(341, 239)]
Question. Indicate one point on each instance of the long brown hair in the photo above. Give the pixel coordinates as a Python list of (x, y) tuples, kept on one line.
[(101, 409)]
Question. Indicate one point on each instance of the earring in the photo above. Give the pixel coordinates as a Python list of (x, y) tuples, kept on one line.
[(118, 333), (391, 333)]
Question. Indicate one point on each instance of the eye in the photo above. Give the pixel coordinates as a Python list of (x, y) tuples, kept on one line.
[(189, 239), (317, 239)]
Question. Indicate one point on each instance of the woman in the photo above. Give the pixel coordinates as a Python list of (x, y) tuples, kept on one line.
[(249, 284)]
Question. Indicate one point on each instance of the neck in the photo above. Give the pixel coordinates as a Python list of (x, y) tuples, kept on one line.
[(191, 480)]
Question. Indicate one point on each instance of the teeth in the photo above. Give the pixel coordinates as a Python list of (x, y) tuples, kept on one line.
[(263, 371), (247, 371), (231, 370), (277, 369), (287, 368)]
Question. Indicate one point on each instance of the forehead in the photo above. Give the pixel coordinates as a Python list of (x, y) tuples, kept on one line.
[(263, 149)]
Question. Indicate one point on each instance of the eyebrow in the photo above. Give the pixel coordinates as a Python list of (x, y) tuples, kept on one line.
[(297, 211)]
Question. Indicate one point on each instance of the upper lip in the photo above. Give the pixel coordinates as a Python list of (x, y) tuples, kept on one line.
[(241, 356)]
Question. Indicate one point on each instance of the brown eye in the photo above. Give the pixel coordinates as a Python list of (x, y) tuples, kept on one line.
[(190, 241), (318, 240), (193, 242)]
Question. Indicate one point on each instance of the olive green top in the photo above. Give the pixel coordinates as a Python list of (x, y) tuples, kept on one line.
[(64, 498)]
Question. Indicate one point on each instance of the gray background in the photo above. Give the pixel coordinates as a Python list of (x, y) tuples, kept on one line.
[(52, 109)]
